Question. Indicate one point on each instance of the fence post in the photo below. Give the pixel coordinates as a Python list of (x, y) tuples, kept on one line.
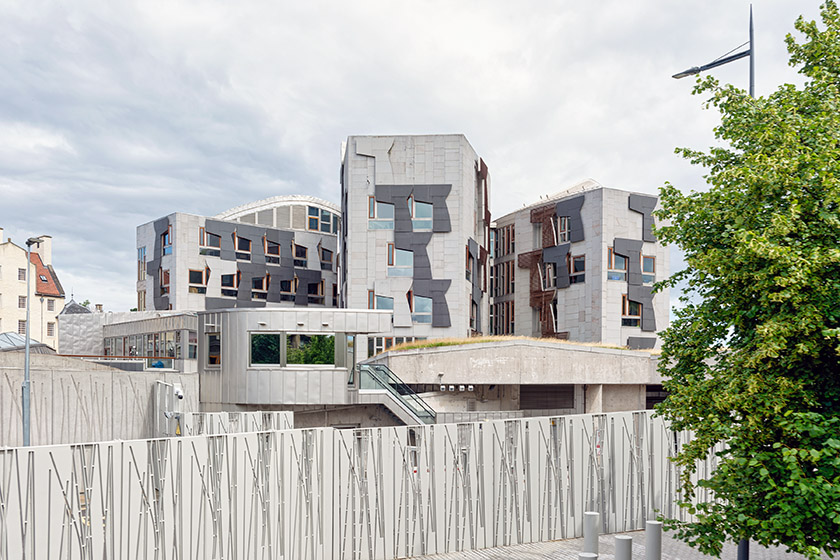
[(623, 547), (590, 531), (653, 540)]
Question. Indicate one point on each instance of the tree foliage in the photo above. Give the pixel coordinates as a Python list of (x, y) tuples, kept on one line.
[(753, 358)]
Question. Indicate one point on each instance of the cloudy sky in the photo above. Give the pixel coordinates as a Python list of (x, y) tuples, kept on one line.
[(113, 114)]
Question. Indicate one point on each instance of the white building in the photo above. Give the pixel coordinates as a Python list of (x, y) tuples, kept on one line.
[(46, 296), (580, 266), (415, 236), (271, 253)]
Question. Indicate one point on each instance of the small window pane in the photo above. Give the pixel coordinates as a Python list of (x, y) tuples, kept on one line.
[(243, 244), (196, 277), (422, 210), (384, 211), (214, 349), (265, 349), (422, 304), (384, 302)]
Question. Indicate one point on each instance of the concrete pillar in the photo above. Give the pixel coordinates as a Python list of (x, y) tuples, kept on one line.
[(623, 547), (590, 531), (587, 556), (653, 540)]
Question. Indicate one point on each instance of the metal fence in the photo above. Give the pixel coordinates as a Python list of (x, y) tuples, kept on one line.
[(325, 493)]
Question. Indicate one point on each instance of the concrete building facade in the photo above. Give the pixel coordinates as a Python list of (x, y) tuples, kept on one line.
[(415, 235), (46, 296), (272, 253), (581, 266)]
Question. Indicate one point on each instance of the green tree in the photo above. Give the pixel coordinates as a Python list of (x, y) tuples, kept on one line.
[(753, 357)]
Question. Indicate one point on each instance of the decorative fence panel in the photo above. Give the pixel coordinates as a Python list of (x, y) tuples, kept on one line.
[(322, 493)]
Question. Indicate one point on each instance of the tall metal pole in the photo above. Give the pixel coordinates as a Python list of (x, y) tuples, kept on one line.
[(24, 393), (752, 56), (744, 544)]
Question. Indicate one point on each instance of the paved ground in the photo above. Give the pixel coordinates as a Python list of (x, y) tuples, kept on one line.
[(568, 550)]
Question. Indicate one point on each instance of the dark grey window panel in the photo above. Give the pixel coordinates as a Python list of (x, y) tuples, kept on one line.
[(435, 289), (472, 247), (305, 278), (644, 205), (557, 255), (431, 194), (416, 243), (641, 343), (257, 267), (643, 295), (153, 266), (632, 249), (571, 208)]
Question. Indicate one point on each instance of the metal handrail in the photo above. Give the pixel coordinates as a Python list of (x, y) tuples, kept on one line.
[(389, 381)]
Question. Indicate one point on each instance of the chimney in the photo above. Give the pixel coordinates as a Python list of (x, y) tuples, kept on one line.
[(44, 248), (99, 308)]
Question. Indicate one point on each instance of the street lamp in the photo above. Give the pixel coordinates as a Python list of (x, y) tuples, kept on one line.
[(750, 52), (743, 544), (24, 394)]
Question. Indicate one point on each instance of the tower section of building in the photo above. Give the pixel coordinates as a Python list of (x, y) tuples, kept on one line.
[(271, 253), (581, 266), (415, 235)]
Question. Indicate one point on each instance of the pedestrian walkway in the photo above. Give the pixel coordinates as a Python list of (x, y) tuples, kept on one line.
[(672, 549)]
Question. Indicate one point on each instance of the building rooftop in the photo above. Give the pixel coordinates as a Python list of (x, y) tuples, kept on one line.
[(46, 281)]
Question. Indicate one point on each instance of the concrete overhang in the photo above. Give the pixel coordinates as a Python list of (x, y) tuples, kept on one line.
[(523, 362)]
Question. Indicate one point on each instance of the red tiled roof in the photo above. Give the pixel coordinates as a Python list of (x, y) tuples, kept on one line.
[(50, 287)]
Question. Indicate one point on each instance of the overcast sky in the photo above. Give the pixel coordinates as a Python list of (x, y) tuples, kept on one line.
[(113, 114)]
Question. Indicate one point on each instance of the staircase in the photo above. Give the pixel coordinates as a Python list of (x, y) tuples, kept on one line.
[(379, 384)]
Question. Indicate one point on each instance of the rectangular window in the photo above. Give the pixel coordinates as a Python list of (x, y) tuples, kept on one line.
[(326, 259), (50, 329), (562, 231), (631, 312), (214, 349), (22, 327), (648, 270), (50, 305), (381, 215), (22, 274), (616, 266), (266, 349), (312, 222), (470, 265), (335, 295), (421, 215), (229, 285), (259, 287), (371, 300), (315, 293), (141, 300), (383, 302), (400, 263), (208, 243), (577, 269), (421, 309), (21, 302), (288, 289), (164, 281), (549, 276), (326, 221), (301, 256), (243, 248), (272, 251), (306, 349), (197, 282), (166, 241), (141, 264)]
